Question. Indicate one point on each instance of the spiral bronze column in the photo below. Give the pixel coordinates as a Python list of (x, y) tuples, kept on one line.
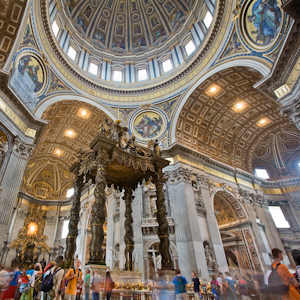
[(98, 215), (128, 238), (163, 226), (73, 224)]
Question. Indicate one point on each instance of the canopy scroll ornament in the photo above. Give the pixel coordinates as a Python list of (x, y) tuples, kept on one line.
[(115, 159)]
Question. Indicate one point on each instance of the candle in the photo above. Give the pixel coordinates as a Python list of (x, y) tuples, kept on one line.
[(118, 114)]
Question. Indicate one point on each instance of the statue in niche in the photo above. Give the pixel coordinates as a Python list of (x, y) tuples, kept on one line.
[(215, 266), (231, 265), (158, 262), (153, 206), (209, 259), (197, 193)]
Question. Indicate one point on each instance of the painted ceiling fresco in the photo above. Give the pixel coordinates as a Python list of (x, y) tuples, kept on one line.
[(128, 26)]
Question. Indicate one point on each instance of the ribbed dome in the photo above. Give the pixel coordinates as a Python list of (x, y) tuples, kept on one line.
[(128, 26)]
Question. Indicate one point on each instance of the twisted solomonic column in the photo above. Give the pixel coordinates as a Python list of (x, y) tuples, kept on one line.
[(163, 226), (74, 220), (128, 238), (98, 214)]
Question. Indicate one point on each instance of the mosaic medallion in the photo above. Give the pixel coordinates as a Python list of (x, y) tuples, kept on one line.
[(31, 70), (148, 125), (262, 21)]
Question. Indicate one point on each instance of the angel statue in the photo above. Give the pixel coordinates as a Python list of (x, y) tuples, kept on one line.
[(105, 128)]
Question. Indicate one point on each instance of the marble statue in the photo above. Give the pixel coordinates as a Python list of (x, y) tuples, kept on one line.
[(197, 195), (209, 259), (215, 266), (231, 265), (158, 262)]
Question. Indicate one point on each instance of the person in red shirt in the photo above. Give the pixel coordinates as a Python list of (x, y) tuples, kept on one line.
[(108, 285)]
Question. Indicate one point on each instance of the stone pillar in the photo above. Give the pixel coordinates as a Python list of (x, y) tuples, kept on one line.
[(110, 225), (11, 181), (74, 220), (190, 231), (163, 226), (128, 238), (98, 214), (212, 223)]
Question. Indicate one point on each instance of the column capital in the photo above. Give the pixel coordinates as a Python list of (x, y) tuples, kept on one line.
[(180, 174), (20, 149)]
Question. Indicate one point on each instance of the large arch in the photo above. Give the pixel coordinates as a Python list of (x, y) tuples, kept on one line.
[(41, 107), (67, 131), (259, 66), (211, 123)]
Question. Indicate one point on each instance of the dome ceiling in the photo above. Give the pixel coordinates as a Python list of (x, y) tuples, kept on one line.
[(128, 26)]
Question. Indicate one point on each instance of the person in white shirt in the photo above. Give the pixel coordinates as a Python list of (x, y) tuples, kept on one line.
[(96, 285)]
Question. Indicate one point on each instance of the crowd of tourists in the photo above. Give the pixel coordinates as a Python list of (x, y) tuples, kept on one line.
[(276, 284), (54, 282)]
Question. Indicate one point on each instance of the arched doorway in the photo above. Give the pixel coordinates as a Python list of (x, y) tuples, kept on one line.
[(236, 232)]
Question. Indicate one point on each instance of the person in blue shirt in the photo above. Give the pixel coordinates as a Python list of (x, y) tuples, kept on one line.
[(180, 286), (230, 290)]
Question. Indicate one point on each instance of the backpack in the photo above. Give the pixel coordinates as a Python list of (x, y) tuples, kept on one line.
[(47, 283), (25, 284), (180, 285), (276, 286), (67, 281)]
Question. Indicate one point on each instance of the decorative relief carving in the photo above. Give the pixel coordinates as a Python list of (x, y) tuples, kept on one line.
[(51, 220), (21, 149)]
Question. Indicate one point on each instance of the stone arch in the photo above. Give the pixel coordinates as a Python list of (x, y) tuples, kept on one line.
[(41, 107), (260, 67), (150, 243), (228, 208)]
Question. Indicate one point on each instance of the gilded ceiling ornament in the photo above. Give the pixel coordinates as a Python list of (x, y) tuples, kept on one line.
[(32, 232)]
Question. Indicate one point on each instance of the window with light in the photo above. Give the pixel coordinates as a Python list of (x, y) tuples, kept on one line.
[(190, 47), (65, 229), (72, 53), (55, 28), (142, 74), (167, 65), (70, 193), (118, 75), (208, 19), (262, 173), (93, 69), (278, 217)]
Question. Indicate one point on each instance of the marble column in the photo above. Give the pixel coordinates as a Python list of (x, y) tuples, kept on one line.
[(128, 238), (98, 214), (189, 233), (74, 220), (110, 225), (163, 226), (213, 227), (11, 181)]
